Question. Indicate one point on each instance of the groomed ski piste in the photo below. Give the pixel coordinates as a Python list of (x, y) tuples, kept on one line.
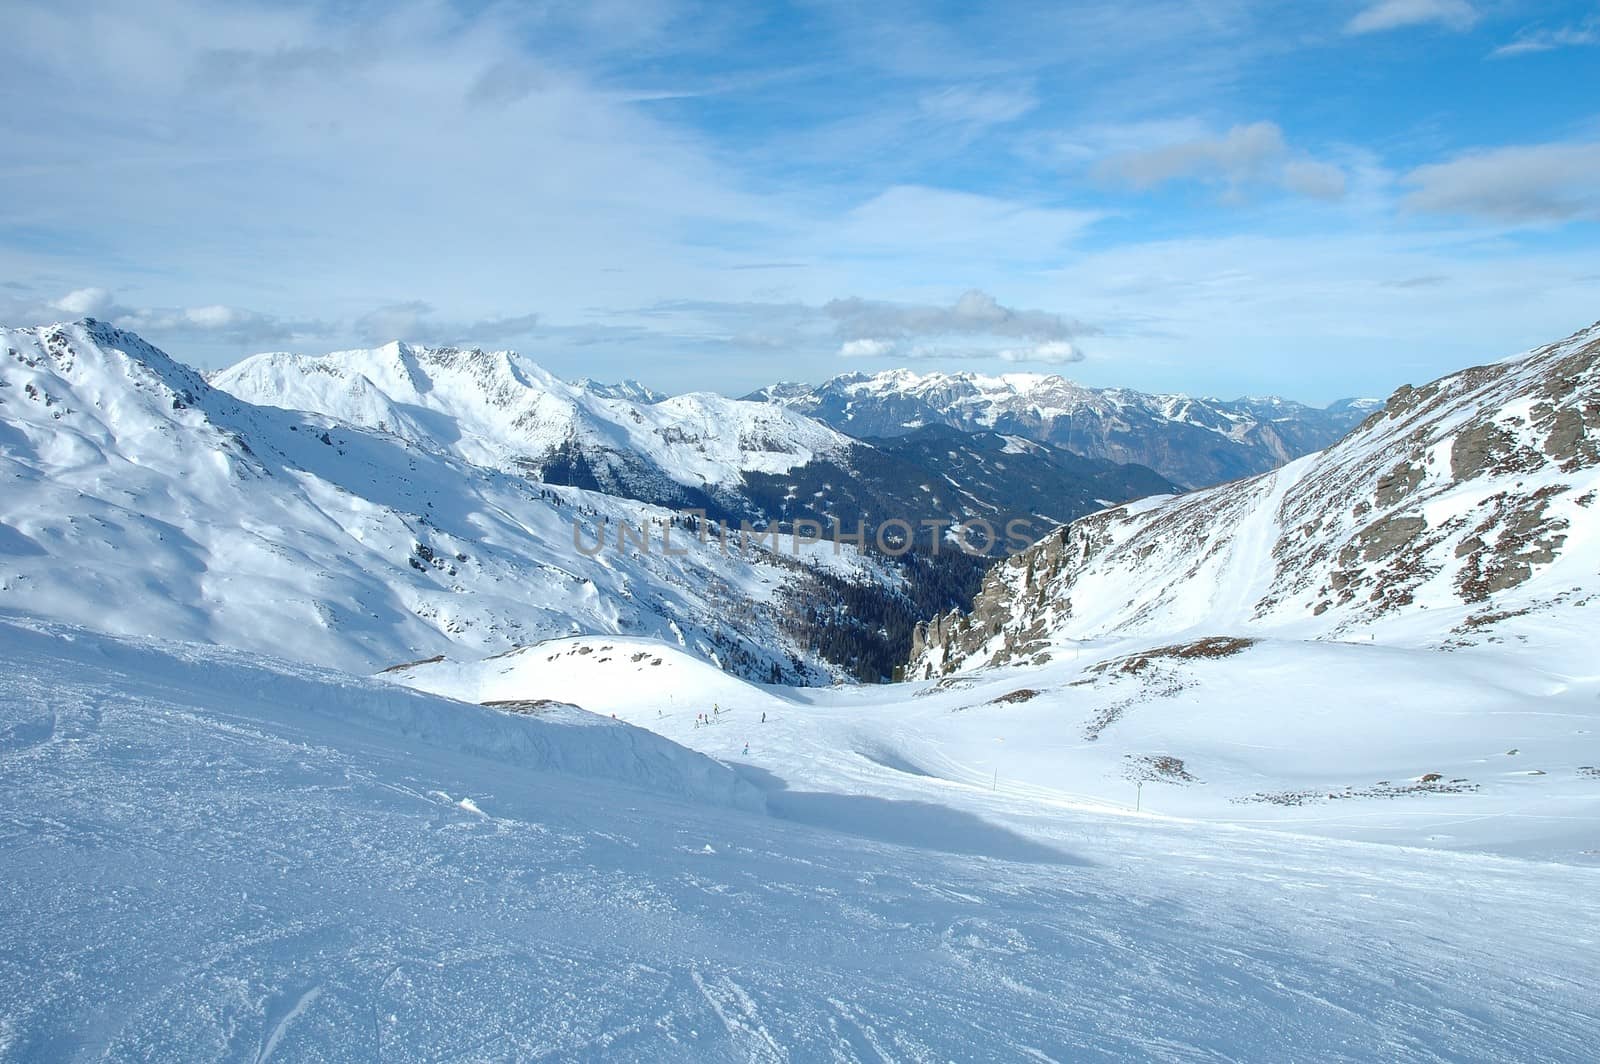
[(209, 855)]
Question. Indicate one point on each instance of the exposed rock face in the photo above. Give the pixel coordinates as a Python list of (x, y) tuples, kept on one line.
[(1477, 488)]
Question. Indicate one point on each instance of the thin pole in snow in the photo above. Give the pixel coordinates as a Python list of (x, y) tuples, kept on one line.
[(995, 786), (1138, 796)]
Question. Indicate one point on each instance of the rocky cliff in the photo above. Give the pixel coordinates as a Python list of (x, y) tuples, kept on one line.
[(1463, 510)]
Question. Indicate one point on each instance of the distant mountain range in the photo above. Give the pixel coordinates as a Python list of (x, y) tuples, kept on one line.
[(371, 507), (739, 460), (1191, 441)]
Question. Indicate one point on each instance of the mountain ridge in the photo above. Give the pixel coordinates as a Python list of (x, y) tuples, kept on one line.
[(1462, 505), (1194, 441)]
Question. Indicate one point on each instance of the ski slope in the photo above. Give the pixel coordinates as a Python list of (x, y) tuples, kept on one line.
[(1316, 737), (210, 856)]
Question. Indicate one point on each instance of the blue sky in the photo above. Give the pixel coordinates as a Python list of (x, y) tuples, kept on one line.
[(1308, 199)]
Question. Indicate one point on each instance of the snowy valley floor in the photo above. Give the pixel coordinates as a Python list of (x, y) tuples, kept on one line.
[(205, 856)]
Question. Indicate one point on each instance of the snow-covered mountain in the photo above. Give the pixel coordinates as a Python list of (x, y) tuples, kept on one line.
[(139, 499), (1194, 442), (501, 410), (1462, 511), (1157, 843), (631, 390), (737, 460)]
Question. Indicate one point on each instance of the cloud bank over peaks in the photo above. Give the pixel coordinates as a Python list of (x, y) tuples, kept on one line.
[(976, 324)]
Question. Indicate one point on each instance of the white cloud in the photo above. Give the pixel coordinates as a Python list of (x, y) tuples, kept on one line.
[(954, 227), (866, 348), (974, 326), (1254, 154), (1531, 183), (974, 313), (85, 303), (215, 316), (233, 325), (416, 321), (1396, 14), (977, 106), (1243, 153), (1055, 352), (1546, 40), (1315, 179)]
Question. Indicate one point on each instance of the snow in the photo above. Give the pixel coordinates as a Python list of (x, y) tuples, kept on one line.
[(611, 675), (207, 855), (985, 400), (492, 408), (1278, 718), (141, 501), (1298, 553), (1344, 834)]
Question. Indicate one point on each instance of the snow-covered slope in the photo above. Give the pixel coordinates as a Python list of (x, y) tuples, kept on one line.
[(607, 674), (1193, 441), (498, 409), (1465, 510), (138, 499), (1491, 750), (208, 856)]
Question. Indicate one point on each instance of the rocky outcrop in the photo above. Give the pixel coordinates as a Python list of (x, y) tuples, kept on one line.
[(1475, 489)]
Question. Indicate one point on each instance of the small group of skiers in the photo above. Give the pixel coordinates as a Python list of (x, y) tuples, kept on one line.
[(714, 717)]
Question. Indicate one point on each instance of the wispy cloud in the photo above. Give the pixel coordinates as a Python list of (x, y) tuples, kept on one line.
[(974, 325), (969, 327), (417, 321), (212, 321), (1540, 39), (1538, 183), (1245, 155), (956, 226), (1397, 14), (250, 330), (977, 106)]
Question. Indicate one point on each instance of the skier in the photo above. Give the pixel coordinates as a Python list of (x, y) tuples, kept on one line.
[(747, 746), (763, 716)]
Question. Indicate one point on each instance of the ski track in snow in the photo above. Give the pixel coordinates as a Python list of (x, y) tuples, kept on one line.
[(247, 876)]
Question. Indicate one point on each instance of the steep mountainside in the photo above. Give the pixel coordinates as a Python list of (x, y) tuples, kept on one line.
[(1194, 442), (140, 500), (498, 409), (1464, 510), (736, 460)]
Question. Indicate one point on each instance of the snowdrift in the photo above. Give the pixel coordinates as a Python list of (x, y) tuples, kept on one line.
[(350, 712), (634, 678)]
